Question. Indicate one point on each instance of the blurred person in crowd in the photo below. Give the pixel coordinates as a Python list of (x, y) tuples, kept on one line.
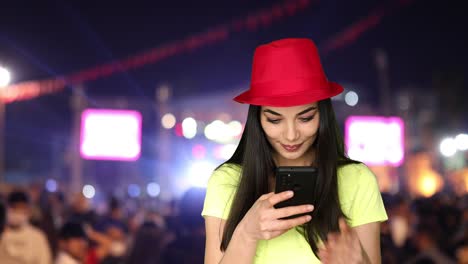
[(171, 214), (291, 122), (73, 244), (115, 217), (462, 253), (425, 239), (440, 212), (51, 220), (21, 242), (189, 245), (81, 211), (148, 245), (460, 238), (155, 217), (116, 229), (397, 231), (389, 255), (2, 217), (449, 219), (56, 203), (134, 222), (35, 191)]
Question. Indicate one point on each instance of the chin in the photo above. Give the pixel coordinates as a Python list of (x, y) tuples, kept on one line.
[(291, 156)]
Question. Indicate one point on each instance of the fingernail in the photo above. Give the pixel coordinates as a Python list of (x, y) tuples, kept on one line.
[(310, 207), (289, 193), (308, 217)]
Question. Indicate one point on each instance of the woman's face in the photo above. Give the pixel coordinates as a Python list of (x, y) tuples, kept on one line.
[(291, 131)]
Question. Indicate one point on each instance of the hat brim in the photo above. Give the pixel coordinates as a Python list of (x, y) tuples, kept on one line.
[(300, 98)]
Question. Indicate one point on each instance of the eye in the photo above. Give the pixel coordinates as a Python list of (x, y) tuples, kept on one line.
[(307, 119), (273, 121)]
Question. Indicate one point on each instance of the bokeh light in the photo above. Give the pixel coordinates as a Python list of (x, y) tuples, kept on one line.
[(5, 76), (168, 121), (200, 172), (134, 190), (89, 191), (448, 147), (153, 189), (51, 185), (351, 98), (198, 151), (461, 141), (189, 127)]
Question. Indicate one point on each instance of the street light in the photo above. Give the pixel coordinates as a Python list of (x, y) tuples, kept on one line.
[(5, 78)]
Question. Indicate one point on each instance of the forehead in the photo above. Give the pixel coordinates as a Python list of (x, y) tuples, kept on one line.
[(290, 109)]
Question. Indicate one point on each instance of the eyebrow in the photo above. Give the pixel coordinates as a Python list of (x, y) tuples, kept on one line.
[(298, 114)]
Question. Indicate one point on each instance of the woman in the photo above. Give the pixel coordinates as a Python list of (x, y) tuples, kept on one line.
[(291, 123)]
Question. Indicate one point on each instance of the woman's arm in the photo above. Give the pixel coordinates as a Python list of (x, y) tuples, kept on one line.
[(241, 249), (214, 232), (369, 236)]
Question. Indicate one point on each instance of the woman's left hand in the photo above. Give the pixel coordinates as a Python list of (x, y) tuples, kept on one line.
[(343, 247)]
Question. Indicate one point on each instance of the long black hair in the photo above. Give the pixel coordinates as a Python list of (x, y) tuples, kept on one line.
[(255, 155)]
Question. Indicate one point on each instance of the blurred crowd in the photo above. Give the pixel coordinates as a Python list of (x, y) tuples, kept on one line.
[(52, 227), (425, 230)]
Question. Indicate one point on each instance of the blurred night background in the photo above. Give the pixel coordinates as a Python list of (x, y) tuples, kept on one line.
[(171, 69)]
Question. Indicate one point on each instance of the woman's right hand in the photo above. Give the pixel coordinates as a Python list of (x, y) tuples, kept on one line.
[(263, 221)]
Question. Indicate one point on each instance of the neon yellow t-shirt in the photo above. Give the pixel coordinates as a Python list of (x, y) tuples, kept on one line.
[(360, 200)]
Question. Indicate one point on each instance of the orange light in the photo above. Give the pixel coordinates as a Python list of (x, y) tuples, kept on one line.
[(429, 183)]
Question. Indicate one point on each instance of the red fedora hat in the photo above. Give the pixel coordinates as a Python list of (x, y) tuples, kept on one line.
[(288, 72)]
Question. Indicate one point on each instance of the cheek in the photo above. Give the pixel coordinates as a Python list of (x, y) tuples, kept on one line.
[(271, 131), (310, 130)]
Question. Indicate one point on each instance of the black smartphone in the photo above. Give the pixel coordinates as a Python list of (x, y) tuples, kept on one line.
[(300, 180)]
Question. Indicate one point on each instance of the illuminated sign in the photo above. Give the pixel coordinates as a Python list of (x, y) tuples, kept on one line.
[(110, 134), (375, 140)]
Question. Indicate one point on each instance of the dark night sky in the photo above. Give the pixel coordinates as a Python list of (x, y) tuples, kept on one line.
[(59, 37)]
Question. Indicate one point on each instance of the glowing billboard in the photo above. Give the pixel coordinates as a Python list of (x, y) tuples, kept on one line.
[(110, 134), (375, 140)]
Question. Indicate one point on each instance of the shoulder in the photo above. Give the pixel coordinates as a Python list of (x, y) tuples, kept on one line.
[(227, 173), (220, 190), (355, 172), (354, 179)]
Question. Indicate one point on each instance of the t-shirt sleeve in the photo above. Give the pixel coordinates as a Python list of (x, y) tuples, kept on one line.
[(360, 196), (220, 191)]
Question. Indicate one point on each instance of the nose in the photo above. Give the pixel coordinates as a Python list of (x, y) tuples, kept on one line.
[(292, 133)]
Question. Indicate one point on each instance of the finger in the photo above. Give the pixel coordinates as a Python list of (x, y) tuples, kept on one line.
[(266, 196), (279, 197), (293, 210), (290, 223)]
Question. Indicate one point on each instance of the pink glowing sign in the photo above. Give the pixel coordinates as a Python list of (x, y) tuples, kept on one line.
[(375, 140), (110, 134)]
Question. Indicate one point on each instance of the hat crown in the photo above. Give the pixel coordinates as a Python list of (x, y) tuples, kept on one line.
[(288, 72), (286, 59)]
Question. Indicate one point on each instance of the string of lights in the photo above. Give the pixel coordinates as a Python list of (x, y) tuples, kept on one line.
[(261, 19)]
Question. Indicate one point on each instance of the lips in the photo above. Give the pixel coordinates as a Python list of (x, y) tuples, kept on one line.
[(291, 148)]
